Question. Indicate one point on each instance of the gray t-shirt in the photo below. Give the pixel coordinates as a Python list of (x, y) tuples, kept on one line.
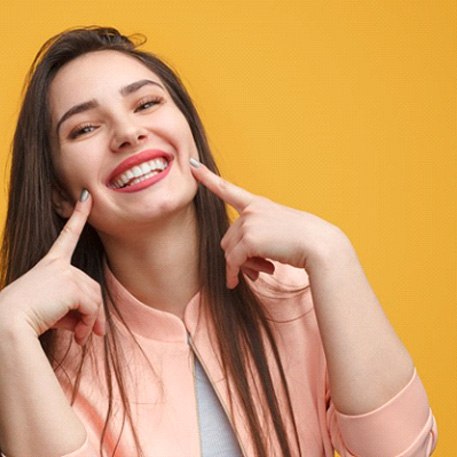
[(216, 434)]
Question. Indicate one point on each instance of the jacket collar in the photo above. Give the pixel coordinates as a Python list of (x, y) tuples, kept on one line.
[(150, 322)]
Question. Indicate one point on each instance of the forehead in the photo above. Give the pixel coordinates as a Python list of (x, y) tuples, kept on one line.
[(95, 75)]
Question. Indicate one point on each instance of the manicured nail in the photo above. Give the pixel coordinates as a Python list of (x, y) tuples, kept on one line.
[(84, 195), (194, 162)]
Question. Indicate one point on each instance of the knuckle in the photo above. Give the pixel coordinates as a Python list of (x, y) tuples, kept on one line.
[(249, 250), (97, 287), (79, 211), (99, 301), (223, 185), (99, 290), (229, 258), (68, 229), (100, 306), (244, 225), (250, 209), (248, 239)]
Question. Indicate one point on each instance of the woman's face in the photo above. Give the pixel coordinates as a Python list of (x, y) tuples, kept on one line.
[(117, 132)]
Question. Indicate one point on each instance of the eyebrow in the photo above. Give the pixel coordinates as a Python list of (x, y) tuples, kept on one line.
[(138, 85), (91, 104)]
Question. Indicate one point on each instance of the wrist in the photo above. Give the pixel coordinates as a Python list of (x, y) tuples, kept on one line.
[(14, 323), (335, 247)]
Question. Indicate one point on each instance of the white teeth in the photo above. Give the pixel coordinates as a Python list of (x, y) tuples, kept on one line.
[(139, 173), (146, 176)]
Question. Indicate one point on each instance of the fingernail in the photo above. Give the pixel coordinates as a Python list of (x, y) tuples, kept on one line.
[(84, 195), (194, 162)]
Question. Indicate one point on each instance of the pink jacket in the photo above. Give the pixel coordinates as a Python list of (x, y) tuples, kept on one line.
[(164, 403)]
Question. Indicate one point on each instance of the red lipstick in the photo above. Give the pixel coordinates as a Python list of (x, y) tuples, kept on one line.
[(136, 160)]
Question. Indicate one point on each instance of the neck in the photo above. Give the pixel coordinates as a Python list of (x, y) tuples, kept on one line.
[(159, 266)]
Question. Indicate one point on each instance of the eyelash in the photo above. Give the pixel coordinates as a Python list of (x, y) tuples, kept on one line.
[(148, 100), (142, 106), (80, 131)]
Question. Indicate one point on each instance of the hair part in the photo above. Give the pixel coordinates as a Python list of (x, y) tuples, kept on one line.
[(239, 319)]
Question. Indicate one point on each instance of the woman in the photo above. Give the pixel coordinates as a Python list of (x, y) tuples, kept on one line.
[(193, 337)]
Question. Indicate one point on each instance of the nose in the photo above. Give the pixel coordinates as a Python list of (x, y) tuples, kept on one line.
[(127, 135)]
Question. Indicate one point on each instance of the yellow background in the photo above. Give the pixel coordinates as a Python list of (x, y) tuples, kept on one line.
[(345, 109)]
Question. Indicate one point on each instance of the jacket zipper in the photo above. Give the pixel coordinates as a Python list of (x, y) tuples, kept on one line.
[(196, 397), (205, 369)]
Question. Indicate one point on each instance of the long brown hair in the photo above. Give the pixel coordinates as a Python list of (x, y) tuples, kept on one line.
[(243, 333)]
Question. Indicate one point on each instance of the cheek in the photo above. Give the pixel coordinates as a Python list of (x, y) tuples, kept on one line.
[(188, 137), (74, 173), (178, 131)]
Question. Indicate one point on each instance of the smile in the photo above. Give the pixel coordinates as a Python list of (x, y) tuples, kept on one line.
[(140, 171)]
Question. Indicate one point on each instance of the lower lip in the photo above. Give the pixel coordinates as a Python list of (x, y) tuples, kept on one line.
[(147, 182)]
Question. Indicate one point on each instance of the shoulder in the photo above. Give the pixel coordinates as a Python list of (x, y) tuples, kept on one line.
[(286, 293)]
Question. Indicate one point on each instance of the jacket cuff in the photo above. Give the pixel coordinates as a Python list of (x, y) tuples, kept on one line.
[(402, 427), (86, 450)]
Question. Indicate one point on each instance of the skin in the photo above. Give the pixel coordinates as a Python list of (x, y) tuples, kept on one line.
[(150, 239), (161, 217), (52, 294), (92, 143), (367, 363)]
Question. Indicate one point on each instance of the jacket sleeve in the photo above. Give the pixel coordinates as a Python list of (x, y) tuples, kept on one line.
[(402, 427), (86, 450)]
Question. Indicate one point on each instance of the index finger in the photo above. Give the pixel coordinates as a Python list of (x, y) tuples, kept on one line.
[(66, 242), (233, 195)]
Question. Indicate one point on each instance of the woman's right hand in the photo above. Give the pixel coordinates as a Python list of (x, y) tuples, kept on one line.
[(54, 293)]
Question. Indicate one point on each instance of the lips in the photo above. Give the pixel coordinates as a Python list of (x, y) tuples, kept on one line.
[(140, 171)]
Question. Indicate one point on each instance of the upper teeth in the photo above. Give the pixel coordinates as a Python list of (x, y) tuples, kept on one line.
[(139, 172)]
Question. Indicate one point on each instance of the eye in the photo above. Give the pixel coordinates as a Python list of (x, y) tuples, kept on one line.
[(148, 103), (82, 130)]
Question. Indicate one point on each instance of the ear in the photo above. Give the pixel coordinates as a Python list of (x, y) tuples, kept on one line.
[(62, 202)]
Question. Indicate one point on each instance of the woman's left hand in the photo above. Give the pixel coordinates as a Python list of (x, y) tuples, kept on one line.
[(266, 230)]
